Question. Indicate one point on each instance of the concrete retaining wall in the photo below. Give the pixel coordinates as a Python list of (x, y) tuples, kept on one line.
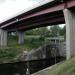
[(44, 71)]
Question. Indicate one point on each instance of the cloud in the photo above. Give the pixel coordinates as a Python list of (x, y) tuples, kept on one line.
[(2, 1), (12, 7)]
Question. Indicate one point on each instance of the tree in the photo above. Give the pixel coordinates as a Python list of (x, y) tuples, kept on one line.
[(44, 32), (55, 31), (63, 32), (37, 31)]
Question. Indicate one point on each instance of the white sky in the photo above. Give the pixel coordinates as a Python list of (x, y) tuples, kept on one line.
[(61, 25), (9, 8)]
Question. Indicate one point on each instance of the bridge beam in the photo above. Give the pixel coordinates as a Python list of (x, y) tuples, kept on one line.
[(70, 32), (20, 37), (3, 37)]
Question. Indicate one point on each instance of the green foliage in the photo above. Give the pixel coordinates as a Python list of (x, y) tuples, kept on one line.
[(34, 42), (37, 31), (44, 32), (12, 40), (8, 54), (55, 31), (37, 37), (63, 31), (31, 42), (33, 39)]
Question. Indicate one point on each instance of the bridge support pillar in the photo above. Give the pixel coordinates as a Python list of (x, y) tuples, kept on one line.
[(20, 37), (70, 32), (3, 37)]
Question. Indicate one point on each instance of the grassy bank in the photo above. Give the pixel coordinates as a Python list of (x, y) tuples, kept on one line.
[(8, 54), (30, 42), (66, 68), (13, 49)]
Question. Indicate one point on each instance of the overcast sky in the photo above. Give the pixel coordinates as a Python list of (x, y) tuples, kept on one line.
[(9, 8)]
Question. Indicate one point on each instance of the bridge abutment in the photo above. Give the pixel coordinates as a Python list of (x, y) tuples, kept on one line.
[(70, 32), (3, 37), (20, 37)]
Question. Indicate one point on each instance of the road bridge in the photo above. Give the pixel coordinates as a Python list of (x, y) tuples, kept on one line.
[(51, 13)]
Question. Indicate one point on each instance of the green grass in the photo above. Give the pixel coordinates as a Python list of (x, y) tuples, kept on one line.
[(30, 42), (13, 42), (66, 68), (7, 54)]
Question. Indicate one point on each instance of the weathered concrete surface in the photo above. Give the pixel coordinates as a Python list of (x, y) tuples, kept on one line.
[(70, 32), (20, 37), (44, 71), (3, 37)]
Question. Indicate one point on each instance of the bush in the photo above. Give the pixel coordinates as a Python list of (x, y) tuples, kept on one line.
[(8, 54)]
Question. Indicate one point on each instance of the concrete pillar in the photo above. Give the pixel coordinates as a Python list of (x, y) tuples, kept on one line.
[(3, 37), (70, 32), (20, 37)]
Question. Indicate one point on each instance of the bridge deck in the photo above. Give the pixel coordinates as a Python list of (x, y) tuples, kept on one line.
[(47, 14)]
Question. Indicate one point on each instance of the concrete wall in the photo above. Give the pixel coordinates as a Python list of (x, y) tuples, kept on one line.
[(20, 37), (46, 51), (3, 37), (44, 71), (69, 16)]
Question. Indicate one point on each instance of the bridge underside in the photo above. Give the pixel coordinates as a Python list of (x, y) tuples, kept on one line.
[(38, 21), (48, 14), (53, 13)]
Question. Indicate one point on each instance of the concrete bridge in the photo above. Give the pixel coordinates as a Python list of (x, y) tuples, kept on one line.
[(50, 13)]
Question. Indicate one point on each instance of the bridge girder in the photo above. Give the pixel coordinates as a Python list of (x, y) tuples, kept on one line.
[(56, 8)]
